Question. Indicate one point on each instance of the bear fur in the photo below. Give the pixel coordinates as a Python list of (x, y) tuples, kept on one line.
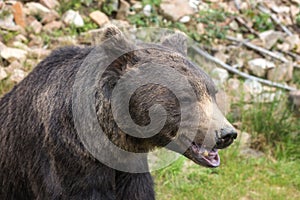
[(42, 157)]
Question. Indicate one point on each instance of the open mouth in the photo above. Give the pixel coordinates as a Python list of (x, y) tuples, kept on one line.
[(205, 157)]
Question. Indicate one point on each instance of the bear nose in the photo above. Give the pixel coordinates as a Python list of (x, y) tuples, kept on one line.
[(225, 138)]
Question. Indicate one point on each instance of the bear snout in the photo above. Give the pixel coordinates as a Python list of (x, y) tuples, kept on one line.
[(225, 138)]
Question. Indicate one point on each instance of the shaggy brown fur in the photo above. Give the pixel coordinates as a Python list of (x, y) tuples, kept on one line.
[(41, 155)]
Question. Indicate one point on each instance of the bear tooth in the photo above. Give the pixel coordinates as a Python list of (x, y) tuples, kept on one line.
[(205, 153)]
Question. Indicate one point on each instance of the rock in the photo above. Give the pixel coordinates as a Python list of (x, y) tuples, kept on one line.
[(124, 10), (233, 84), (50, 17), (195, 4), (35, 40), (20, 45), (244, 140), (50, 3), (3, 73), (72, 17), (54, 25), (65, 40), (251, 153), (219, 76), (12, 54), (294, 97), (175, 9), (17, 75), (19, 14), (221, 56), (21, 38), (147, 10), (137, 6), (234, 25), (283, 72), (99, 18), (252, 87), (2, 46), (35, 26), (7, 21), (270, 38), (200, 28), (13, 65), (280, 9), (185, 19), (36, 9), (233, 88), (38, 53), (293, 41), (259, 66), (268, 97)]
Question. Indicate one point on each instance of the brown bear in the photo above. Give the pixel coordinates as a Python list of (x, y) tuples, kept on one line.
[(42, 154)]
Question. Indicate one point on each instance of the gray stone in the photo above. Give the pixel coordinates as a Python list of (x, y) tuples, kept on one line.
[(293, 41), (36, 26), (195, 4), (99, 18), (35, 40), (283, 72), (13, 65), (50, 3), (137, 6), (270, 38), (34, 8), (38, 53), (219, 76), (244, 140), (294, 97), (175, 9), (72, 17), (185, 19), (268, 97), (124, 10), (50, 17), (52, 26), (7, 22), (252, 87), (20, 45), (251, 153), (259, 66), (17, 75), (21, 38), (3, 73), (12, 54), (147, 10), (234, 25)]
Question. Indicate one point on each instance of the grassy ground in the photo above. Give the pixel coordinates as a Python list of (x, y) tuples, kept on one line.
[(236, 178), (275, 131)]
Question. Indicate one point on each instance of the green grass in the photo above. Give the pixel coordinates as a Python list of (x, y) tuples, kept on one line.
[(5, 86), (274, 128), (236, 178)]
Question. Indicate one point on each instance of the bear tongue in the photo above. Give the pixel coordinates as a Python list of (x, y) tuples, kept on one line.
[(208, 157)]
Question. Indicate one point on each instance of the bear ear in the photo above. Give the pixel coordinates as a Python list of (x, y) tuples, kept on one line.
[(177, 42), (110, 31), (115, 43)]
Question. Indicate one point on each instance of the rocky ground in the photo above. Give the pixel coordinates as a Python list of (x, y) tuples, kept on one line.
[(256, 43)]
